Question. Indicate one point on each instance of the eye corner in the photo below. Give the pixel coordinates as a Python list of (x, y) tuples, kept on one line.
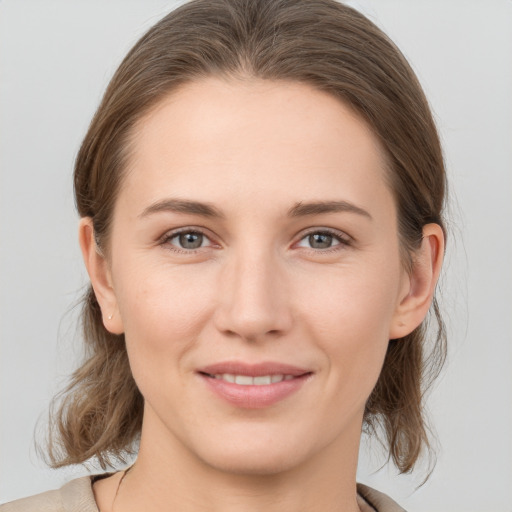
[(166, 240), (342, 240)]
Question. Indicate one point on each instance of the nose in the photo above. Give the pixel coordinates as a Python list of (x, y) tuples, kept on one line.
[(254, 301)]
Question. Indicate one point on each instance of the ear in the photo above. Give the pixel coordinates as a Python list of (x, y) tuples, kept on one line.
[(100, 275), (418, 290)]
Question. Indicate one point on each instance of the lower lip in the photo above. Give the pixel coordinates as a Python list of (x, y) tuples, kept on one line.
[(254, 397)]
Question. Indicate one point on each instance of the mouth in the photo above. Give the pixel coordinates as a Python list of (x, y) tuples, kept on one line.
[(247, 380), (253, 386)]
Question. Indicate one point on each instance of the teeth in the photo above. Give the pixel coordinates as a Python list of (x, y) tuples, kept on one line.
[(244, 380), (247, 380), (264, 379)]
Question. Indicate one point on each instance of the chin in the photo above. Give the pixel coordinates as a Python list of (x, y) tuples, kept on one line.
[(257, 465), (253, 456)]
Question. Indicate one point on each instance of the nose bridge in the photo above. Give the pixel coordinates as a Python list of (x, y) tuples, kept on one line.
[(254, 301)]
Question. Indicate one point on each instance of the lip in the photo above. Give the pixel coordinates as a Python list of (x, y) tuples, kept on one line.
[(253, 396), (253, 369)]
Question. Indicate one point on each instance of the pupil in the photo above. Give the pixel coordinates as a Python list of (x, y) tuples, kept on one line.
[(191, 240), (320, 240)]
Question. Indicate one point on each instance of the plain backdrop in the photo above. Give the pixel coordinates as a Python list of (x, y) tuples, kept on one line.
[(56, 57)]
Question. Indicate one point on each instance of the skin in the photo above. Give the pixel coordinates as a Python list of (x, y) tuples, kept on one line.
[(258, 289)]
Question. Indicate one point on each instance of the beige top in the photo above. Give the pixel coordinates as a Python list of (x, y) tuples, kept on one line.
[(78, 496)]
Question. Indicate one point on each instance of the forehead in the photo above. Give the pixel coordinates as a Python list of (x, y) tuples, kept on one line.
[(254, 137)]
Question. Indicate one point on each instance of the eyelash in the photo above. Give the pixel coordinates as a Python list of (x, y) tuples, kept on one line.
[(343, 240), (169, 236)]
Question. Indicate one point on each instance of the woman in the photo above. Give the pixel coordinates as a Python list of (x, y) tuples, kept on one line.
[(261, 195)]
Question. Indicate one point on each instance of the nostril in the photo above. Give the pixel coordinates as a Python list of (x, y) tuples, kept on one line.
[(231, 334)]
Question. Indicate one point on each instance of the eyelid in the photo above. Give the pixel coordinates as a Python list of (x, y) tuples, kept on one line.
[(169, 235), (343, 238)]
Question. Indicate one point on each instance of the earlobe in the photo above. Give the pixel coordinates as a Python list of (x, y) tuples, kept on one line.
[(415, 302), (100, 276)]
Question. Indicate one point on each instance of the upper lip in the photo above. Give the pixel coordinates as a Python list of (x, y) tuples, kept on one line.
[(253, 369)]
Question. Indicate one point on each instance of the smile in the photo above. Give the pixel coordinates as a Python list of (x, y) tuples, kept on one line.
[(253, 386), (247, 380)]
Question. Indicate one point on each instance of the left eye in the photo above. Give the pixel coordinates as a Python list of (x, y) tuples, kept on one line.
[(320, 240), (189, 240)]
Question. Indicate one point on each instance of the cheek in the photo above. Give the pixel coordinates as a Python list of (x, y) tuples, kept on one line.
[(353, 302), (350, 321), (163, 310)]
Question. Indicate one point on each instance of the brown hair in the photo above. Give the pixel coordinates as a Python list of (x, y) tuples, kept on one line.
[(325, 44)]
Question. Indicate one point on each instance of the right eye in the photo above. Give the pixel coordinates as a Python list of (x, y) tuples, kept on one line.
[(187, 241)]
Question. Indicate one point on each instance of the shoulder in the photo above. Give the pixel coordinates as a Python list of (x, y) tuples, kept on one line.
[(75, 496), (378, 500)]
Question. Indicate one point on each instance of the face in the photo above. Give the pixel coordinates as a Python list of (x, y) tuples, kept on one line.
[(255, 271)]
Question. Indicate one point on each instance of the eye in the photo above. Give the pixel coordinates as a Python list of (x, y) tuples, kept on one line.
[(185, 241), (323, 239)]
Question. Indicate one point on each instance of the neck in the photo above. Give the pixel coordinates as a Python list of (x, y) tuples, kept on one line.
[(167, 477)]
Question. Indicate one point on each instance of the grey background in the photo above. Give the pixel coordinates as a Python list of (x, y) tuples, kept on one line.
[(56, 58)]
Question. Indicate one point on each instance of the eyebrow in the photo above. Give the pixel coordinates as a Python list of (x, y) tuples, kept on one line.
[(302, 209), (183, 206)]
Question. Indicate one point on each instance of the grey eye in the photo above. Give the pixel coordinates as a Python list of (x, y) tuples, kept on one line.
[(320, 240), (190, 240)]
